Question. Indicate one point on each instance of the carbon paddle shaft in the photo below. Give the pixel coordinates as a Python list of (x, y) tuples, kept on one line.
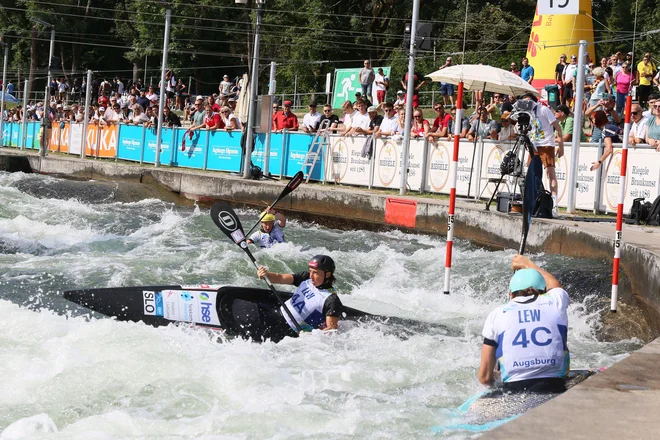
[(295, 181), (226, 219)]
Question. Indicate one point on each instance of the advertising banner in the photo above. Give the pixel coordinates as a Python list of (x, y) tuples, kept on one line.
[(347, 166), (225, 153), (130, 143), (388, 155), (275, 163), (193, 155)]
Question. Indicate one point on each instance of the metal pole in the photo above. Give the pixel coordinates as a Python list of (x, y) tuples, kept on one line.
[(144, 82), (295, 90), (46, 118), (2, 105), (409, 98), (162, 92), (24, 127), (577, 127), (189, 85), (271, 93), (252, 112), (88, 98)]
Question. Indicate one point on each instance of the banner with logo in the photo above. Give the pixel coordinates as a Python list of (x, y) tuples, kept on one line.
[(347, 166), (388, 155)]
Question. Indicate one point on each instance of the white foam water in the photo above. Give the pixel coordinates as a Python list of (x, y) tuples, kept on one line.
[(66, 376)]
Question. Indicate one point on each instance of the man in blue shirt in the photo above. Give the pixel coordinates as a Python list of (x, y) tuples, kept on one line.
[(527, 72)]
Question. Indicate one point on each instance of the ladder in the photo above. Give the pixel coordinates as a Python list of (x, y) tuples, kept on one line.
[(316, 148)]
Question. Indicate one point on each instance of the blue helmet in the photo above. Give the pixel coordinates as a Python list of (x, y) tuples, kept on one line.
[(525, 278)]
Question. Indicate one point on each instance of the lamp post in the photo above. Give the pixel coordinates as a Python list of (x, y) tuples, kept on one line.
[(44, 121), (254, 79), (163, 89), (4, 87)]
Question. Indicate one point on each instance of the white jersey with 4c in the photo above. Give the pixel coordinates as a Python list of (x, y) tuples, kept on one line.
[(530, 336)]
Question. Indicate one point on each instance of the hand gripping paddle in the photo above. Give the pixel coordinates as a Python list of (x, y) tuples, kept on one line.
[(295, 181), (226, 219)]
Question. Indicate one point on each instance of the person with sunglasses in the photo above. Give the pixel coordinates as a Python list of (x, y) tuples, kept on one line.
[(334, 119), (639, 125), (653, 129), (465, 125), (229, 119), (312, 119), (390, 123), (286, 119), (514, 69), (624, 80), (440, 128), (487, 128), (420, 127)]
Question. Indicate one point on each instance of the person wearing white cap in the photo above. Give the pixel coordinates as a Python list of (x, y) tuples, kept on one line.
[(528, 335), (400, 99), (225, 86)]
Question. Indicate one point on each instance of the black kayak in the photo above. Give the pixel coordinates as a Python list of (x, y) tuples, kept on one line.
[(237, 311)]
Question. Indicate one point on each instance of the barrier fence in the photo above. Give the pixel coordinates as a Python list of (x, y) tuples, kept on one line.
[(343, 162)]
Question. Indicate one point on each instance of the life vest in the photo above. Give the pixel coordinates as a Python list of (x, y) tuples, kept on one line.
[(306, 306), (265, 239), (531, 336)]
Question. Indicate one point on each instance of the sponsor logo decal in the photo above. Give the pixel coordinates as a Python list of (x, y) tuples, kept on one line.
[(149, 302), (227, 220)]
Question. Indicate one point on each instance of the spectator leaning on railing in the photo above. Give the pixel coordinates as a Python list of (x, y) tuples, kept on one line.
[(311, 120), (640, 125), (334, 119), (653, 130), (285, 120), (389, 125)]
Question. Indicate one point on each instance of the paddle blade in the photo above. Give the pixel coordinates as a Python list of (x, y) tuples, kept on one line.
[(534, 174), (294, 183), (226, 219)]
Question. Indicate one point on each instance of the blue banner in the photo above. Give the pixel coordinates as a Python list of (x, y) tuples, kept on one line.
[(225, 153), (130, 142), (195, 149), (259, 152), (297, 146), (150, 138)]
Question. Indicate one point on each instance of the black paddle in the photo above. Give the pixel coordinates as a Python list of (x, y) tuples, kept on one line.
[(534, 172), (226, 219), (295, 181)]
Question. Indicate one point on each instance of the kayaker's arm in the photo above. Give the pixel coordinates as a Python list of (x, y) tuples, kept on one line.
[(486, 375), (276, 278), (522, 262)]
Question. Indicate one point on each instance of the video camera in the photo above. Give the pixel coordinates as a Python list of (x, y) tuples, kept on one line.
[(524, 113)]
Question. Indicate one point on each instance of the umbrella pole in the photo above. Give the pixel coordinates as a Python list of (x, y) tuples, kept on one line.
[(476, 138), (452, 181)]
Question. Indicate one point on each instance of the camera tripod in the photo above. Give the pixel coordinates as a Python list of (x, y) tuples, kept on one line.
[(512, 164)]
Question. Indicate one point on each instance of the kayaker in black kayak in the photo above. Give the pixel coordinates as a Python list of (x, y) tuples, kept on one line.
[(315, 303)]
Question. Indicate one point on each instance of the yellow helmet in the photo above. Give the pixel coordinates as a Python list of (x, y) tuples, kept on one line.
[(267, 217)]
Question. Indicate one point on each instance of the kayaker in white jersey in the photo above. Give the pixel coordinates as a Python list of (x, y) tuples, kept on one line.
[(527, 336), (271, 232), (314, 304)]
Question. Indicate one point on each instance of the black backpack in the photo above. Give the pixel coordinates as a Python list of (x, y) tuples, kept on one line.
[(654, 213), (645, 212), (543, 205)]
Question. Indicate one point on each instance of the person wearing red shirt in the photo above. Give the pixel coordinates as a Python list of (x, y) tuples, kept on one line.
[(212, 120), (212, 103), (440, 126), (285, 120)]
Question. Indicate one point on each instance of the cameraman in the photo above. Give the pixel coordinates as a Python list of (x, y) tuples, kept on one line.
[(544, 127)]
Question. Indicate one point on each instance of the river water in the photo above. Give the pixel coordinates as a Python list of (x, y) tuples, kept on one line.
[(65, 376)]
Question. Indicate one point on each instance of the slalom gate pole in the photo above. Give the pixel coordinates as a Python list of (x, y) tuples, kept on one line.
[(452, 181), (619, 211)]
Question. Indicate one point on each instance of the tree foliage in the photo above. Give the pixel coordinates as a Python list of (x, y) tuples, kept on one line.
[(306, 38)]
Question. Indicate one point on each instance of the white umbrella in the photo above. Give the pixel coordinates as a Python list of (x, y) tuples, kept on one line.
[(482, 77), (243, 103)]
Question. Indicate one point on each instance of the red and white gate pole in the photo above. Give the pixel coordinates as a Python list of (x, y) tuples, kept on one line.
[(452, 192), (619, 210)]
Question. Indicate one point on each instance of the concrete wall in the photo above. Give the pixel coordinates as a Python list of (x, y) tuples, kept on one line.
[(351, 206)]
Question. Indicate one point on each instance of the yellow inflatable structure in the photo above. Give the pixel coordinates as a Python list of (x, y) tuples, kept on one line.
[(556, 35)]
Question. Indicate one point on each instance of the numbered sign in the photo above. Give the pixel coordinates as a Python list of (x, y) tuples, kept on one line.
[(558, 7)]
